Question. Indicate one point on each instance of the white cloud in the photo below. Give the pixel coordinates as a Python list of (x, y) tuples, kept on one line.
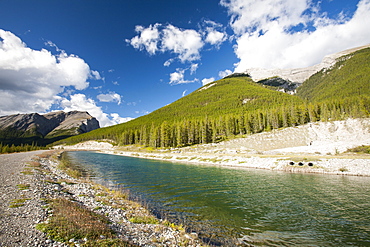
[(266, 36), (95, 74), (215, 37), (168, 62), (79, 102), (185, 43), (30, 80), (224, 73), (178, 77), (193, 68), (251, 16), (117, 119), (147, 39), (110, 97), (214, 33), (206, 81)]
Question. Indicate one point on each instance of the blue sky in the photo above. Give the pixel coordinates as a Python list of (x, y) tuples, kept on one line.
[(119, 60)]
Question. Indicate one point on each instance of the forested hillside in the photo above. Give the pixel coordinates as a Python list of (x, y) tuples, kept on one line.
[(349, 77), (238, 106)]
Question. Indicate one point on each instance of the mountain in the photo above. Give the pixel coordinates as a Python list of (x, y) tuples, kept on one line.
[(299, 75), (348, 77), (46, 128), (237, 106)]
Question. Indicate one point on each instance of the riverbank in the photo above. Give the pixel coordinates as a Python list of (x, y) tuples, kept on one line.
[(312, 148), (224, 156), (32, 181), (297, 163)]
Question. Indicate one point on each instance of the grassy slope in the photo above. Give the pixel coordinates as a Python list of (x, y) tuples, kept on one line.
[(225, 97), (349, 77)]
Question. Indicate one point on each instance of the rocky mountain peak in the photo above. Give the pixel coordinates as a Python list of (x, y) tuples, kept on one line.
[(299, 75), (51, 124)]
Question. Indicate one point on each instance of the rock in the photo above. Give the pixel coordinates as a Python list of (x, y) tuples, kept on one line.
[(299, 75), (48, 125)]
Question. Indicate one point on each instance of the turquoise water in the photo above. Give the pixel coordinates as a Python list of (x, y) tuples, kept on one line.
[(258, 207)]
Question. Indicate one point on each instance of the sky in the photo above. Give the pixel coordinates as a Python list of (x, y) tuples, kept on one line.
[(122, 59)]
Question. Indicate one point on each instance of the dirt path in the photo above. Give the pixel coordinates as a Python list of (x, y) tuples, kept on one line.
[(20, 205)]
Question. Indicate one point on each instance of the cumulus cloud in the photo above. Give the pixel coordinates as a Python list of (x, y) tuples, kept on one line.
[(79, 102), (110, 97), (214, 33), (206, 81), (30, 80), (215, 37), (178, 77), (185, 43), (292, 33), (147, 39), (224, 73)]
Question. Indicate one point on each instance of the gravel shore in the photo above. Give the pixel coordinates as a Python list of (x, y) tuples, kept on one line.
[(26, 184), (17, 223)]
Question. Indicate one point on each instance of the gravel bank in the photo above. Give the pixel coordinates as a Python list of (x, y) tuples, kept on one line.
[(17, 223), (24, 189)]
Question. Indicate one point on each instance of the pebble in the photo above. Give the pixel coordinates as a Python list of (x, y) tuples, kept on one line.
[(18, 229)]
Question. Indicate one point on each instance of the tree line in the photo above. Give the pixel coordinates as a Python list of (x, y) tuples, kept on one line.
[(211, 129), (6, 148)]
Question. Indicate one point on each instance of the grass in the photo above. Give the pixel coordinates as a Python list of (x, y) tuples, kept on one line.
[(23, 186), (107, 243), (69, 167), (73, 221), (16, 203), (144, 220), (27, 171), (361, 149)]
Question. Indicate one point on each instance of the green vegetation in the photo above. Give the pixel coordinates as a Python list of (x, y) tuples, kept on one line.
[(23, 186), (348, 78), (16, 203), (72, 221), (144, 220), (21, 148), (361, 149), (10, 137), (71, 168)]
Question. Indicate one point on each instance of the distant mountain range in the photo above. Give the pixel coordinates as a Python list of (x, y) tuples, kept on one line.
[(240, 104), (46, 128)]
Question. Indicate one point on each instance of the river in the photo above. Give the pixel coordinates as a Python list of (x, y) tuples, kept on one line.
[(257, 207)]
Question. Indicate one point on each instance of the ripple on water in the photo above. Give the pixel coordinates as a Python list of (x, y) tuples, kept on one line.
[(259, 207)]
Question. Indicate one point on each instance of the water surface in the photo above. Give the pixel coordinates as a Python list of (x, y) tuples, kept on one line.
[(259, 207)]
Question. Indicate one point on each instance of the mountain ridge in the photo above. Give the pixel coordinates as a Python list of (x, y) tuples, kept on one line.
[(299, 75), (54, 125)]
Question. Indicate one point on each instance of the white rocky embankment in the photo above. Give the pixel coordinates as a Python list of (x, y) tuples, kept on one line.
[(311, 148)]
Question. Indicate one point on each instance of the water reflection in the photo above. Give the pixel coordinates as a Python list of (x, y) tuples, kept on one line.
[(259, 207)]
